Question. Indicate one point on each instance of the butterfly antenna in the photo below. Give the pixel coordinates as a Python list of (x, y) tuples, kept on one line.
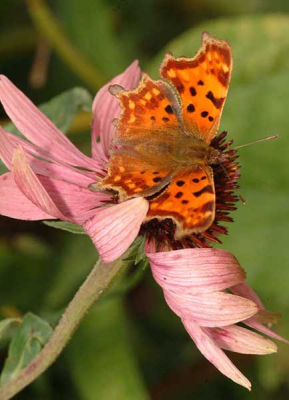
[(239, 147), (233, 184), (256, 141)]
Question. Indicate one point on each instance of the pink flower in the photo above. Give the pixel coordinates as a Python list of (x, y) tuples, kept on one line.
[(50, 178), (193, 282)]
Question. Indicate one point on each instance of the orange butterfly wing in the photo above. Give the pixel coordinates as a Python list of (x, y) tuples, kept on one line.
[(189, 201), (202, 84), (131, 177), (144, 110)]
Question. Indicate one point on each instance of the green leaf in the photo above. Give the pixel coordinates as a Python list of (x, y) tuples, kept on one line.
[(25, 345), (66, 226), (3, 168), (136, 252), (7, 326), (102, 358)]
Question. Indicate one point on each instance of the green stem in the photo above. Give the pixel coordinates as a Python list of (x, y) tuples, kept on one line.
[(96, 284), (45, 22)]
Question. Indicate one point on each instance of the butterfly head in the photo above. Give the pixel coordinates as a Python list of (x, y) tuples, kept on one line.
[(216, 156)]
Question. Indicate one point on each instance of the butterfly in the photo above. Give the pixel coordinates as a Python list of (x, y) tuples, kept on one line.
[(161, 149)]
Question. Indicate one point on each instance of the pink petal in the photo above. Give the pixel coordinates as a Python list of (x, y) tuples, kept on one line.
[(113, 229), (195, 270), (264, 329), (38, 152), (262, 316), (244, 290), (106, 108), (8, 143), (31, 187), (212, 309), (76, 203), (214, 354), (14, 204), (241, 340), (38, 128), (99, 153)]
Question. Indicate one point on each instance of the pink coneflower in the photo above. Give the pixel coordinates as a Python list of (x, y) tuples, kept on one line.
[(50, 178)]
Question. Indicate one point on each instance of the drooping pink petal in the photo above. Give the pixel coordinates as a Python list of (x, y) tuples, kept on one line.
[(252, 323), (195, 271), (106, 108), (76, 203), (99, 153), (38, 128), (38, 152), (214, 354), (113, 229), (14, 204), (241, 340), (8, 143), (31, 187), (211, 309), (262, 317), (244, 290)]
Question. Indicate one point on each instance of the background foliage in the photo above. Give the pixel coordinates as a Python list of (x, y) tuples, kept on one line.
[(131, 346)]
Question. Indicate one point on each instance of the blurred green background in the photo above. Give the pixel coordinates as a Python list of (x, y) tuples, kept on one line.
[(131, 346)]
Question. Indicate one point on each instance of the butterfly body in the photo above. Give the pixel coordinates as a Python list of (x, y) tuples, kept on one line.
[(172, 152), (162, 144)]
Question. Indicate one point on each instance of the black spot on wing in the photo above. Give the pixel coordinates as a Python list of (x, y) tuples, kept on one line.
[(191, 108), (193, 91), (169, 109), (218, 102), (206, 189), (179, 195)]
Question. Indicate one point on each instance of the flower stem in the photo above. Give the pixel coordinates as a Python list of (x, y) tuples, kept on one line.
[(50, 29), (95, 285)]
